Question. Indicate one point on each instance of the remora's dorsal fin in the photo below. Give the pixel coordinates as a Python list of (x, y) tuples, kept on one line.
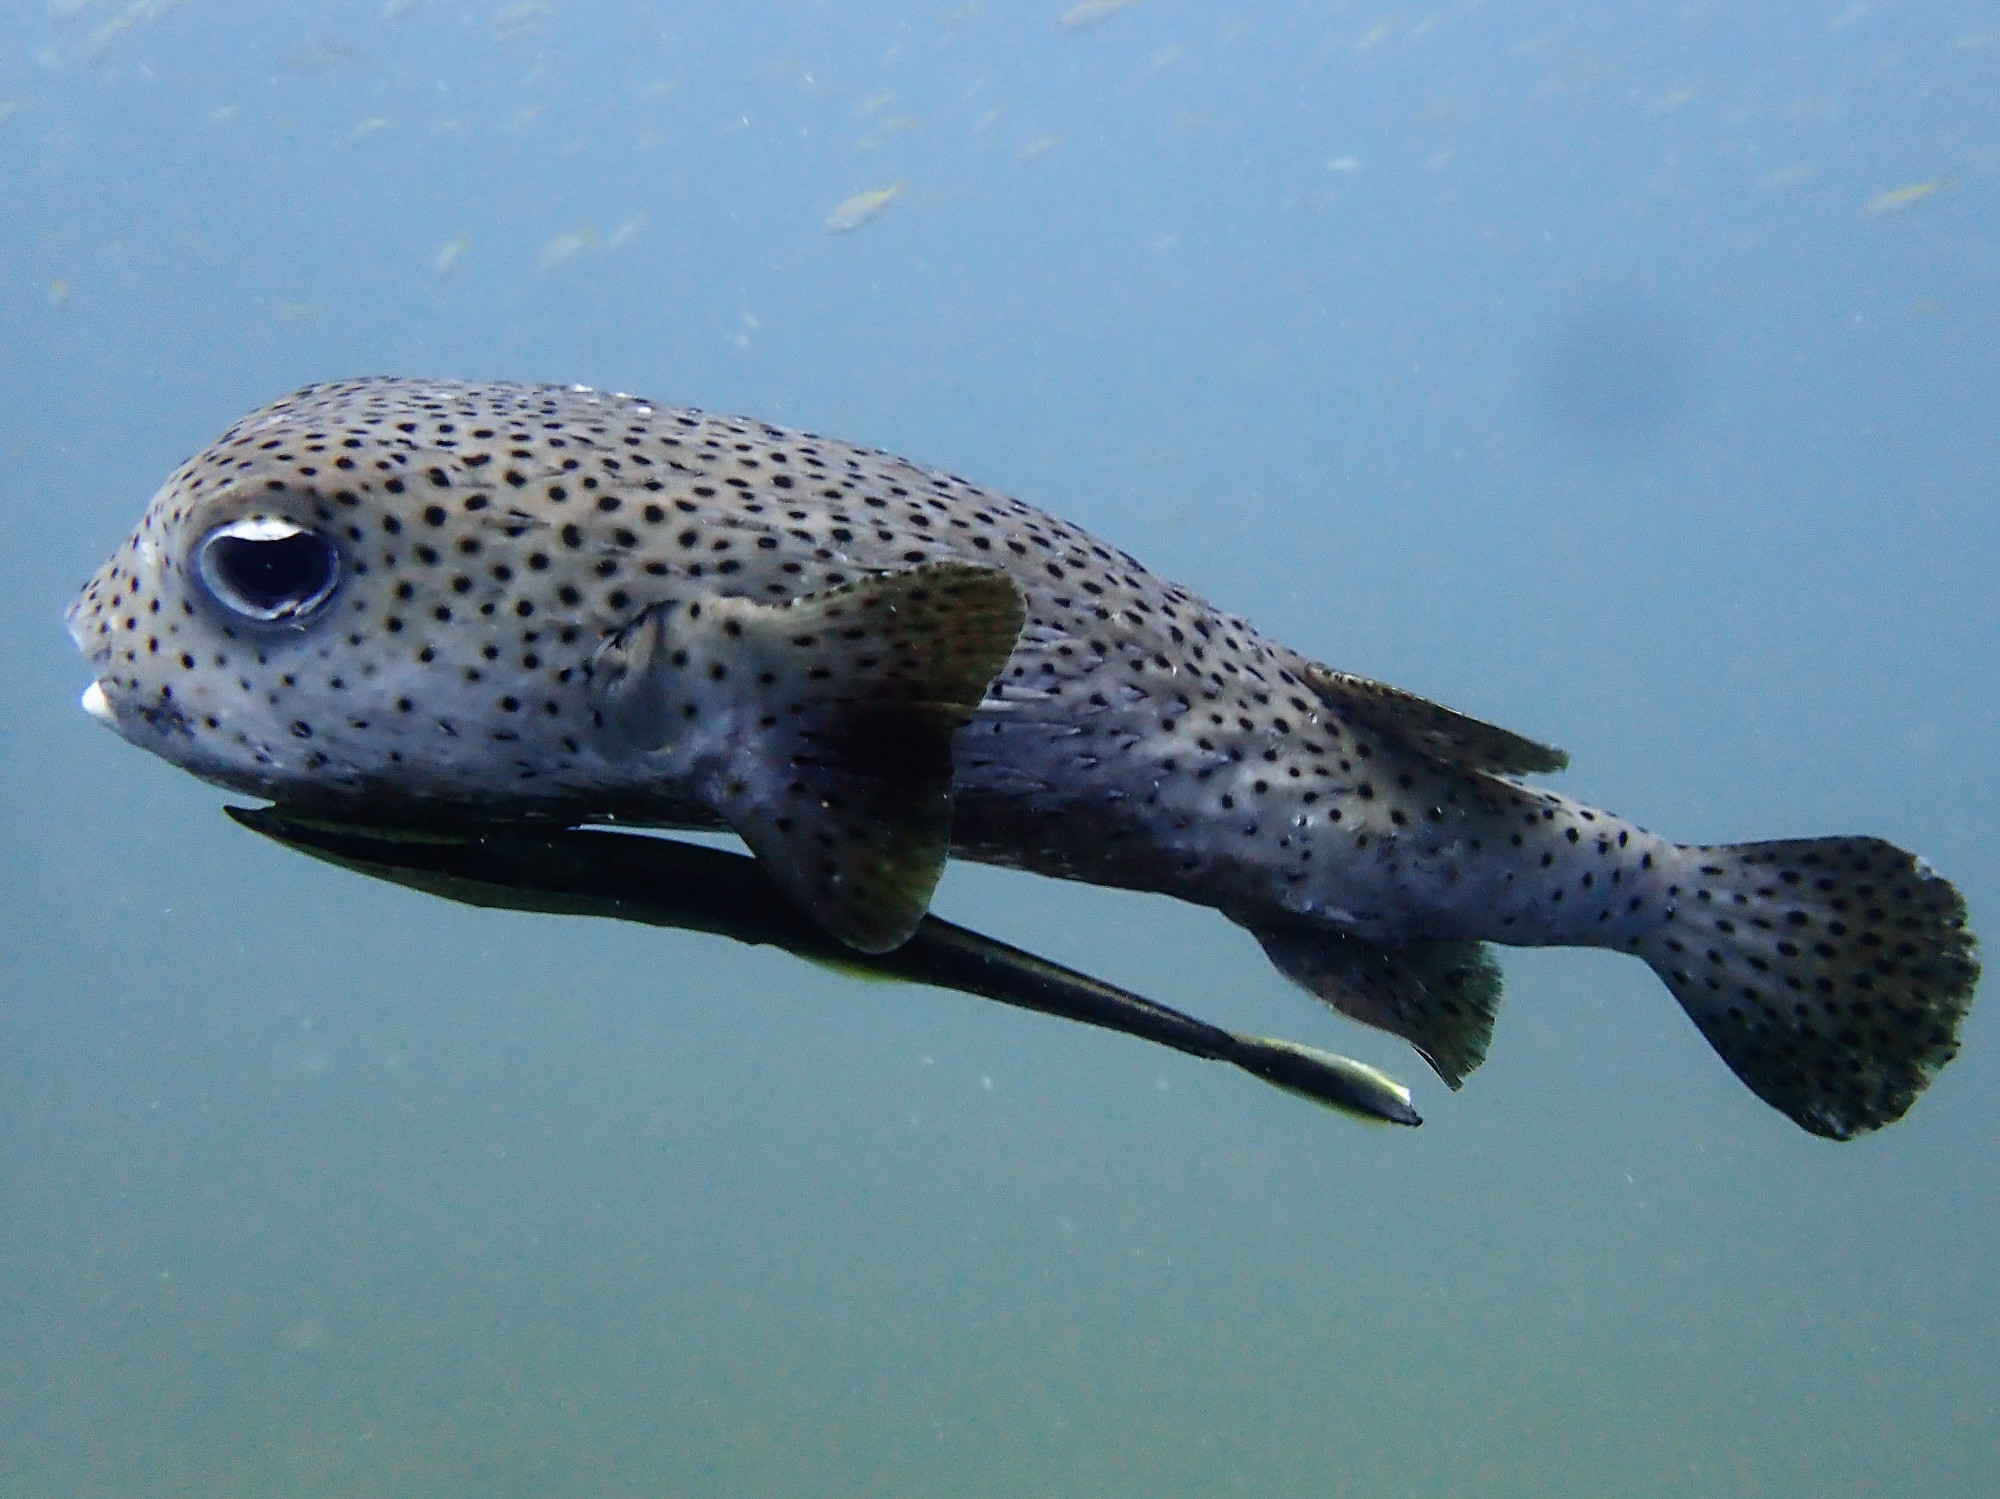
[(1438, 996), (832, 758), (1442, 732)]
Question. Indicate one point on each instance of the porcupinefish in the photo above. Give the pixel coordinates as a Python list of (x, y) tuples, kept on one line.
[(433, 601)]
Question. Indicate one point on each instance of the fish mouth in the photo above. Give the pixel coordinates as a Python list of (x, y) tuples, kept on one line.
[(98, 705), (77, 618), (160, 727)]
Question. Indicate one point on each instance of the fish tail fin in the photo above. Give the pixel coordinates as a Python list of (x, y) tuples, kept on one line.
[(1829, 973), (1438, 996)]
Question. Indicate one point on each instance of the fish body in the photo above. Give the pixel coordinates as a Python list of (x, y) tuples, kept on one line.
[(448, 257), (1902, 199), (452, 602), (512, 22), (664, 882), (1091, 13), (567, 246), (863, 208)]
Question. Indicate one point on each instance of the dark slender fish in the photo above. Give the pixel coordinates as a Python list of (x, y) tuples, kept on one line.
[(664, 882)]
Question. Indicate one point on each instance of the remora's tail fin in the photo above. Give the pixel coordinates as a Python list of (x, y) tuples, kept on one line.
[(1829, 973)]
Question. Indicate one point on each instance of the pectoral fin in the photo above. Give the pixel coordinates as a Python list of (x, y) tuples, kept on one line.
[(1438, 996), (833, 760)]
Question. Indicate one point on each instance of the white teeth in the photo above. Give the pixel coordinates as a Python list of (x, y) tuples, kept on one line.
[(98, 706)]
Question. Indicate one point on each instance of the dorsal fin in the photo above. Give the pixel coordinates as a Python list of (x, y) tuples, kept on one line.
[(825, 726), (1443, 733)]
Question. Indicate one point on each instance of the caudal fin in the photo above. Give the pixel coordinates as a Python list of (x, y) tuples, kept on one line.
[(1830, 973)]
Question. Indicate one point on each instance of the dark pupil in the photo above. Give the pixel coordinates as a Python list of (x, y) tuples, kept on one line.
[(268, 575)]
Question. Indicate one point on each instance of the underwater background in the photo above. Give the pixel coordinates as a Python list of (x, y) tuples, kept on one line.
[(1625, 375)]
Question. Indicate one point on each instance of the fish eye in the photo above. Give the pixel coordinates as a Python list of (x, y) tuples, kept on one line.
[(268, 569)]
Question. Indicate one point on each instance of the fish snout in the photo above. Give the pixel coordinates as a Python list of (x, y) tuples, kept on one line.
[(98, 705), (86, 628)]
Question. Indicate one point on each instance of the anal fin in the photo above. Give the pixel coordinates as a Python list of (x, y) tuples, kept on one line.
[(821, 728), (1438, 996)]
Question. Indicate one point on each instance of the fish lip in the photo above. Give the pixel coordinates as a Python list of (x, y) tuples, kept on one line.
[(97, 703)]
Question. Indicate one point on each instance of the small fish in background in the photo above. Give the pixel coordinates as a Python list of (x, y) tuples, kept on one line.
[(1902, 199), (481, 604), (1091, 13), (626, 232), (873, 106), (799, 75), (394, 8), (370, 126), (1375, 36), (60, 293), (97, 45), (863, 208), (446, 258), (323, 53), (11, 107), (295, 314), (887, 130), (566, 247), (1039, 147), (512, 22), (306, 1336)]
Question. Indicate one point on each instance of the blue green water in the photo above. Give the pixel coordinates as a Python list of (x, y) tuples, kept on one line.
[(1544, 359)]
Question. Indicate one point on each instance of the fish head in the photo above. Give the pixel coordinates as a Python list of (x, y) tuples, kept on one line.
[(256, 630), (229, 585), (403, 600)]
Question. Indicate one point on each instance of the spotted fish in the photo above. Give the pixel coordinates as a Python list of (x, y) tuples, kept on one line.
[(414, 600)]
